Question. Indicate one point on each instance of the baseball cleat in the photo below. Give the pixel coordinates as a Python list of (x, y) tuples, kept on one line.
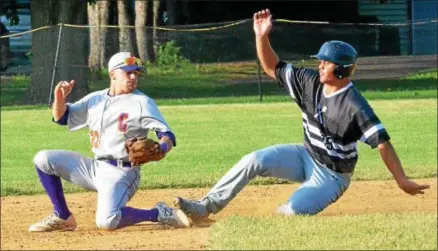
[(172, 217), (192, 208), (54, 223)]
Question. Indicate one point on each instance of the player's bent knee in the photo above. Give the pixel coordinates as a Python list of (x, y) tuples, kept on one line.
[(107, 223), (41, 158), (41, 161)]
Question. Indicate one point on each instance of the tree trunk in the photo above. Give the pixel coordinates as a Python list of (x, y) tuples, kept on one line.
[(156, 17), (103, 7), (73, 53), (126, 41), (95, 47), (43, 50), (73, 48), (141, 29)]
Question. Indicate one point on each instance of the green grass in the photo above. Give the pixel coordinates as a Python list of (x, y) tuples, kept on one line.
[(427, 74), (214, 84), (214, 131), (212, 138), (362, 232)]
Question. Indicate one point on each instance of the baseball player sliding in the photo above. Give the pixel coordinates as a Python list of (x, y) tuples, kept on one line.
[(335, 116), (119, 119)]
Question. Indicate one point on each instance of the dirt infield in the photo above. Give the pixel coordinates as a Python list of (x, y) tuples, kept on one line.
[(17, 213)]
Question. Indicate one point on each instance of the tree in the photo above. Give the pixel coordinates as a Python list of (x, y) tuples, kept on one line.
[(104, 8), (95, 47), (141, 8), (73, 55), (126, 35), (144, 33), (43, 56), (73, 50), (8, 8), (4, 48), (156, 17), (98, 17)]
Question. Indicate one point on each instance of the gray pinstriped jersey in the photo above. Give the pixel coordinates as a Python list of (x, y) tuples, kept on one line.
[(112, 120), (332, 123)]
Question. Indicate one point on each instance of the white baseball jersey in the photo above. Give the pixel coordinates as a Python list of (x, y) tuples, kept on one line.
[(113, 119)]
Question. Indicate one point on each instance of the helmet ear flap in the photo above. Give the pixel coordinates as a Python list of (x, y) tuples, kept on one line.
[(341, 72), (338, 72)]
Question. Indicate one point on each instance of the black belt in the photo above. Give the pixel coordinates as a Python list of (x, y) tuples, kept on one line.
[(117, 163)]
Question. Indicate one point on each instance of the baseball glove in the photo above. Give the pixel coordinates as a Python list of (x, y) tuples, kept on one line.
[(143, 150)]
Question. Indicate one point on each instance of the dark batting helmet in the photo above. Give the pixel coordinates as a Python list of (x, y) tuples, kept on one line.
[(340, 53)]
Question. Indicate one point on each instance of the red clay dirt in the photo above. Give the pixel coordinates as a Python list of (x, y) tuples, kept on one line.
[(17, 213)]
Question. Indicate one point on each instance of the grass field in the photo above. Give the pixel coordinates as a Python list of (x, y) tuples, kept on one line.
[(211, 138), (410, 231), (216, 123)]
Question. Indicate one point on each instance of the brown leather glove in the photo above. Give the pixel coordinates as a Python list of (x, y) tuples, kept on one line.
[(143, 150)]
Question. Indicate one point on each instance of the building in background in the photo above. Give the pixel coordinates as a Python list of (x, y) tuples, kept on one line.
[(424, 41), (414, 39)]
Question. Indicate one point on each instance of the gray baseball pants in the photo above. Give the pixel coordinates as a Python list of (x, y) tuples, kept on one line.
[(320, 186)]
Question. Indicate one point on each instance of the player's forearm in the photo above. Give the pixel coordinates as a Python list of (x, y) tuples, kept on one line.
[(267, 56), (392, 162), (58, 109)]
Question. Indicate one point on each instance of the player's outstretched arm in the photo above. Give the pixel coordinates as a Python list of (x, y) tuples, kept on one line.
[(392, 162), (62, 90), (267, 56)]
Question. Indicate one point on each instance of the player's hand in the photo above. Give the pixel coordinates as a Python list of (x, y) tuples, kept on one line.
[(262, 22), (63, 89), (411, 187)]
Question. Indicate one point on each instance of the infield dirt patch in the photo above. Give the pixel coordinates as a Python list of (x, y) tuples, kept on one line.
[(17, 213)]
